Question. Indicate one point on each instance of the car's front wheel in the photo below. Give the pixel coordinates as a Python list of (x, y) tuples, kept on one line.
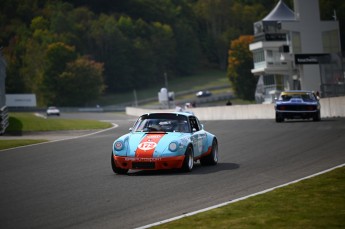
[(115, 168), (188, 162), (212, 158)]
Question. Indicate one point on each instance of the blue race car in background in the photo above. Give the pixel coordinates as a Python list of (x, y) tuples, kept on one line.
[(164, 141), (297, 105)]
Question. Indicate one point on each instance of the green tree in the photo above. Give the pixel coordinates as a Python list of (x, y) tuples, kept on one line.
[(81, 82), (214, 17), (163, 46), (239, 68), (113, 48), (56, 58), (222, 21)]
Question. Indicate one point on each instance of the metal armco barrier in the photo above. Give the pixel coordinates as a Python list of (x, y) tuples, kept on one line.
[(3, 119)]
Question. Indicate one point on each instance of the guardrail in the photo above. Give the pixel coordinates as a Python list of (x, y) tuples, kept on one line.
[(3, 119)]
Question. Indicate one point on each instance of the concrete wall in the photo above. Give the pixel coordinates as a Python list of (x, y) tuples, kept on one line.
[(333, 107), (330, 107)]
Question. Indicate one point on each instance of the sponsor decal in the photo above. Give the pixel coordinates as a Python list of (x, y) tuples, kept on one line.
[(147, 146), (150, 159), (312, 58), (154, 136)]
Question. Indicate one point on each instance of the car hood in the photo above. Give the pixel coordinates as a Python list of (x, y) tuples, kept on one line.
[(153, 144)]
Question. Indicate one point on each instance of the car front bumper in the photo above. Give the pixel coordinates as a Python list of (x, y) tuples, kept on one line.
[(149, 163), (297, 114)]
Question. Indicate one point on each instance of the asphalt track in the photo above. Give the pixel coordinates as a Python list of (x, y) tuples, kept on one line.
[(70, 184)]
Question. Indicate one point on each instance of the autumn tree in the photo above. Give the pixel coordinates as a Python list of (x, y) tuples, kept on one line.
[(240, 63), (82, 82)]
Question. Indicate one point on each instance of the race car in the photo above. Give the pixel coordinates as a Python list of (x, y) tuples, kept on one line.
[(297, 105), (53, 111), (159, 141)]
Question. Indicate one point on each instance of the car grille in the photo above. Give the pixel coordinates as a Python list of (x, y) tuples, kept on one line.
[(143, 165), (296, 108)]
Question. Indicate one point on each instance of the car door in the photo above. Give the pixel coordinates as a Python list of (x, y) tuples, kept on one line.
[(198, 136)]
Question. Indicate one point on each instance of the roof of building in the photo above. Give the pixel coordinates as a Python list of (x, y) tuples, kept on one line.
[(280, 13)]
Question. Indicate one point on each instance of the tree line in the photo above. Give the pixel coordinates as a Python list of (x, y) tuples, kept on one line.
[(71, 52)]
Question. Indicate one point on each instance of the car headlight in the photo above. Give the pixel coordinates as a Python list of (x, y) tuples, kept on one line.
[(173, 146), (118, 145)]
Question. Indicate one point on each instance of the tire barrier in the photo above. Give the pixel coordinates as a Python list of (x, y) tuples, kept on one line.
[(3, 119)]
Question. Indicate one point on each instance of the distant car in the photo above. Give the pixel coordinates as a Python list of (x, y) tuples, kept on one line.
[(203, 94), (53, 111), (161, 141), (297, 105)]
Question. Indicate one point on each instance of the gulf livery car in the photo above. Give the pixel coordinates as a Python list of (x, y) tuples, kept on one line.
[(297, 105), (160, 141)]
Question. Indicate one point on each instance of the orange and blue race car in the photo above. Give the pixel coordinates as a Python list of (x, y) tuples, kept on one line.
[(160, 141), (297, 105)]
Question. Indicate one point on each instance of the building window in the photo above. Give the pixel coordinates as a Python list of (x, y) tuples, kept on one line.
[(269, 55), (330, 41), (296, 42), (258, 56), (279, 82), (269, 80)]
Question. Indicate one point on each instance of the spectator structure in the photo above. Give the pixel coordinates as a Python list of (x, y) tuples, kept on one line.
[(295, 50)]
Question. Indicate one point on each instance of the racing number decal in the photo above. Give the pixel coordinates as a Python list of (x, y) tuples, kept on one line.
[(147, 146)]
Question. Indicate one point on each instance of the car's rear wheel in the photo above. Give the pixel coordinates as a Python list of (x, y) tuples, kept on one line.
[(188, 162), (212, 158), (115, 168)]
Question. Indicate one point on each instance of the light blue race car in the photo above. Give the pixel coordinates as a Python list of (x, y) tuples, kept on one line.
[(164, 141)]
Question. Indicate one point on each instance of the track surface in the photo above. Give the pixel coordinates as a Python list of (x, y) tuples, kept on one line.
[(70, 184)]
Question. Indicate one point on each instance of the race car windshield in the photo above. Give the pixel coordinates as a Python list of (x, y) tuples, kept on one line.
[(162, 123), (305, 96)]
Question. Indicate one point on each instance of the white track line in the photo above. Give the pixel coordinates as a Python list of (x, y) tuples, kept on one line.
[(63, 139), (236, 200)]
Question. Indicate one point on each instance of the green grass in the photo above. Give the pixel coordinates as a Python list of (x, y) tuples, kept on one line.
[(27, 122), (198, 81), (21, 122), (318, 202), (7, 144)]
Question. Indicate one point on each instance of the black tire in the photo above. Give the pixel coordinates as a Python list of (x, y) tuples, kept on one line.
[(279, 118), (317, 117), (212, 158), (117, 170), (188, 162)]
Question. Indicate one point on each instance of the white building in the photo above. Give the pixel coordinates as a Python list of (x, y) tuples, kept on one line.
[(296, 50)]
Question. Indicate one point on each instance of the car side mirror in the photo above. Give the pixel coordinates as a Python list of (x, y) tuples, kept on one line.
[(202, 126), (130, 129)]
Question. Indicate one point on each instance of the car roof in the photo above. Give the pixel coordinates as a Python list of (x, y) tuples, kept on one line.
[(296, 92), (187, 114)]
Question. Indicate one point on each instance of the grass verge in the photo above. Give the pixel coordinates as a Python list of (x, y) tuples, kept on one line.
[(317, 202), (21, 122), (7, 144)]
